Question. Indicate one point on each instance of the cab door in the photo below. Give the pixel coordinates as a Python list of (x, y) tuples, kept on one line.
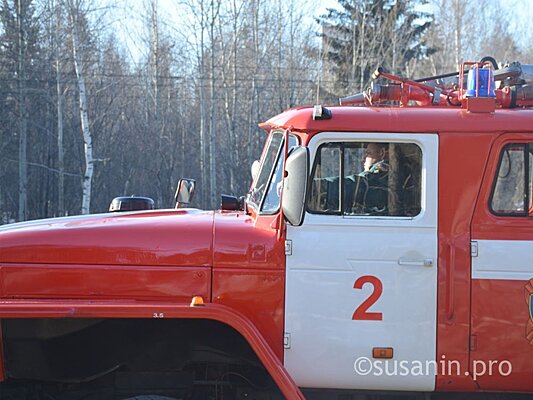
[(502, 269), (361, 282)]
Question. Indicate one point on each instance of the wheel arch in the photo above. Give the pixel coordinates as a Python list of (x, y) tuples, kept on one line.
[(19, 309)]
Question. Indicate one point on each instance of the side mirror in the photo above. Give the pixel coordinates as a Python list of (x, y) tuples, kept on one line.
[(184, 192), (295, 185), (255, 169)]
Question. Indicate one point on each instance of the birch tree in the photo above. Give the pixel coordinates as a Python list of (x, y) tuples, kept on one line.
[(214, 14), (75, 8), (229, 68), (196, 37), (474, 33)]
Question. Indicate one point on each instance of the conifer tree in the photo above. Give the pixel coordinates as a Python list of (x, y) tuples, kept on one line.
[(19, 53), (361, 35)]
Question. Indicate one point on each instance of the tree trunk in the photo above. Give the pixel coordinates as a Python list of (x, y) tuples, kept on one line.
[(458, 8), (84, 117), (362, 58), (154, 122), (60, 146), (212, 119), (232, 132), (22, 117), (253, 84), (203, 118)]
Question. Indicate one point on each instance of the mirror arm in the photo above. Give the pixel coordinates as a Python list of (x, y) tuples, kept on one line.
[(281, 222)]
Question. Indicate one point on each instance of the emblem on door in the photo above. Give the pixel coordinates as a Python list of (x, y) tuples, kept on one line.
[(529, 301)]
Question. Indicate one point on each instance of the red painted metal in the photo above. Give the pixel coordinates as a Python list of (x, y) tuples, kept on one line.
[(460, 174), (103, 309), (49, 281), (464, 148), (500, 312), (406, 92), (167, 255), (409, 120), (236, 261), (249, 272), (500, 318), (486, 225), (159, 237)]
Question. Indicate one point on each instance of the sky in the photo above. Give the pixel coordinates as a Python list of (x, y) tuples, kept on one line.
[(128, 15), (127, 18)]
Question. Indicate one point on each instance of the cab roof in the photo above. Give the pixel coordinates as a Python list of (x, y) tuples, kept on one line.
[(399, 120)]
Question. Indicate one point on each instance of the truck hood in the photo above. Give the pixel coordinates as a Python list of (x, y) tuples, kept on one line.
[(182, 237)]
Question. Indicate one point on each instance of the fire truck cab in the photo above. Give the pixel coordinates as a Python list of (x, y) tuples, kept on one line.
[(427, 276), (386, 244)]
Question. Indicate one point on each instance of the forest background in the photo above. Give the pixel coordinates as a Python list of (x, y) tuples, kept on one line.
[(112, 98)]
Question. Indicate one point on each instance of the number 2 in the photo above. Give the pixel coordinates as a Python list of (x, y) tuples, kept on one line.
[(361, 312)]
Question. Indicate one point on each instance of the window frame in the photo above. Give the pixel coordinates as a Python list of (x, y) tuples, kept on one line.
[(363, 137), (527, 150), (312, 176), (258, 208)]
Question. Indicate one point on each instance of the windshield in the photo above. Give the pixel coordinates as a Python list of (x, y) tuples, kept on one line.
[(266, 190)]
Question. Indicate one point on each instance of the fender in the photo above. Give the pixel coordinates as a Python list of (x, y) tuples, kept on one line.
[(10, 309)]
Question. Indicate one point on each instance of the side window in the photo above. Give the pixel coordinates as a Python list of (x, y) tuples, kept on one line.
[(272, 196), (367, 178), (513, 185), (326, 185)]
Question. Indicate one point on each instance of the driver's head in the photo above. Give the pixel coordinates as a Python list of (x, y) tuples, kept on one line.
[(374, 153)]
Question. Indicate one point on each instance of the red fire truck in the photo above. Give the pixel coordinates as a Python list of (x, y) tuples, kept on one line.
[(385, 247)]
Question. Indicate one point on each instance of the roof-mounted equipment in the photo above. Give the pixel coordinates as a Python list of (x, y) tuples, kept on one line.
[(485, 88)]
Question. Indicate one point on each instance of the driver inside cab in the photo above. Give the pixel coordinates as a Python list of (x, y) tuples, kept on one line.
[(367, 192)]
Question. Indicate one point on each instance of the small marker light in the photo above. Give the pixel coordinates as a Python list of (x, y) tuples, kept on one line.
[(197, 301), (382, 352), (320, 112)]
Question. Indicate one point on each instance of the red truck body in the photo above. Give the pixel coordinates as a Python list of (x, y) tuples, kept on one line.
[(149, 265)]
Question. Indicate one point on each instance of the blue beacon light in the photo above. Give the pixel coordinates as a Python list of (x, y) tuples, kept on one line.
[(483, 78)]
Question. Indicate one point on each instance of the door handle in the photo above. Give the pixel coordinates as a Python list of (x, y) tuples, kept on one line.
[(426, 262)]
